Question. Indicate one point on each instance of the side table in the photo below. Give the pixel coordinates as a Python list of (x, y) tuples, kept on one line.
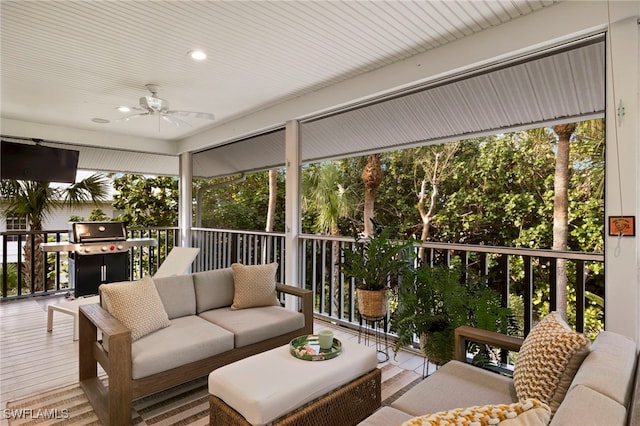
[(69, 307)]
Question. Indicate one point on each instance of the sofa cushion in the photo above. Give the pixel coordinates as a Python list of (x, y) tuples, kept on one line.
[(189, 339), (548, 360), (609, 367), (455, 385), (529, 412), (255, 324), (385, 416), (136, 304), (178, 295), (586, 407), (254, 285), (214, 289)]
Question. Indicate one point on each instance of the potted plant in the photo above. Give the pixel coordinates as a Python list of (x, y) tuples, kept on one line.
[(435, 302), (376, 264)]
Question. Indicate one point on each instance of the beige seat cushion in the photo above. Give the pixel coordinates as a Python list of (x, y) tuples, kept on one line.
[(256, 324), (455, 385), (530, 412), (548, 361), (137, 305), (170, 347), (254, 285), (385, 416)]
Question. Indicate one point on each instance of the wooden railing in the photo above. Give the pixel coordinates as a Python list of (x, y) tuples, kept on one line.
[(521, 276)]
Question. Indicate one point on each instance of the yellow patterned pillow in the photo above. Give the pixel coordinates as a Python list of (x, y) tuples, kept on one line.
[(530, 412), (548, 360), (254, 285), (137, 305)]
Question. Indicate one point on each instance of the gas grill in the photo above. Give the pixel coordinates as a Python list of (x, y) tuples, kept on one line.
[(98, 254)]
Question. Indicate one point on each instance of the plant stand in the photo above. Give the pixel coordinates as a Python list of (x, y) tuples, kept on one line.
[(380, 326)]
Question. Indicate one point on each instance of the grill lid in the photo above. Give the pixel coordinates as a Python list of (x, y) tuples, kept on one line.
[(87, 232)]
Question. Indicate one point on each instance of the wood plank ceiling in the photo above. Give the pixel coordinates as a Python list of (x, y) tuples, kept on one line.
[(66, 63)]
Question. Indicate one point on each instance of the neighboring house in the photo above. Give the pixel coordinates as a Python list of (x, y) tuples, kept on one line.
[(57, 220)]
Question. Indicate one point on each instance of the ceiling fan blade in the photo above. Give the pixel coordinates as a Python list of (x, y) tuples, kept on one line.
[(175, 121), (130, 117), (193, 114)]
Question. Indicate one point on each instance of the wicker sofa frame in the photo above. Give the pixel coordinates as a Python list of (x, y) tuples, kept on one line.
[(112, 404)]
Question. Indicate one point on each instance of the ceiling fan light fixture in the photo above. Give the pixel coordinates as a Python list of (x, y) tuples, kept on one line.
[(197, 55)]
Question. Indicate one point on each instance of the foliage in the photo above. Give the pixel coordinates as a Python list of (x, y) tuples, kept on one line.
[(146, 201), (325, 199), (12, 279), (241, 205), (36, 200), (435, 303), (377, 263)]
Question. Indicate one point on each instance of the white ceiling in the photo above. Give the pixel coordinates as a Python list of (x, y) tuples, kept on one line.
[(65, 63)]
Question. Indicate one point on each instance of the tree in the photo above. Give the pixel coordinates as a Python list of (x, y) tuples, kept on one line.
[(324, 195), (561, 210), (146, 201), (241, 205), (273, 199), (371, 177), (435, 165), (36, 200)]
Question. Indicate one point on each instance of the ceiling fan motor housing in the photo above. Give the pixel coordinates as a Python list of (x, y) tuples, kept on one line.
[(153, 103)]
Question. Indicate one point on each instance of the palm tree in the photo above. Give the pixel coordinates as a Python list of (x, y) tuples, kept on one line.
[(324, 194), (34, 201), (372, 178), (561, 210)]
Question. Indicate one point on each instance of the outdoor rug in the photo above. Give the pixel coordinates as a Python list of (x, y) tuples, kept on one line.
[(187, 404)]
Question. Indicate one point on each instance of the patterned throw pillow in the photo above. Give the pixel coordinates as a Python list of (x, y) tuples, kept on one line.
[(254, 285), (529, 412), (137, 305), (548, 360)]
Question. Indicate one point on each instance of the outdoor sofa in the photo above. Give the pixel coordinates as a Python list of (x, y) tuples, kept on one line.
[(161, 332), (562, 380)]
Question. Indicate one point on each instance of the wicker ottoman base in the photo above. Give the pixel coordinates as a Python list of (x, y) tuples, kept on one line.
[(347, 405)]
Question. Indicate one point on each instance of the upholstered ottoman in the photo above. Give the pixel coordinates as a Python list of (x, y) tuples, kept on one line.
[(275, 387)]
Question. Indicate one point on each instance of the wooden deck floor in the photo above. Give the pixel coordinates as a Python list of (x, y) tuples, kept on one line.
[(33, 360)]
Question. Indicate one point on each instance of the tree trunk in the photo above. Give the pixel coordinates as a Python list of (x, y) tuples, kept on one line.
[(427, 215), (561, 211), (34, 277), (371, 177), (335, 253), (273, 197), (271, 210)]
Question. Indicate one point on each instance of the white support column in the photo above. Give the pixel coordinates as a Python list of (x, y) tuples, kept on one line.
[(185, 205), (622, 254), (292, 208)]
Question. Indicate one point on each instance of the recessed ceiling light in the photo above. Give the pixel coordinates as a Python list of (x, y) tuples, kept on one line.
[(123, 109), (100, 120), (198, 55)]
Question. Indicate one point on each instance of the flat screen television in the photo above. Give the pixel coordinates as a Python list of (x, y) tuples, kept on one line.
[(35, 162)]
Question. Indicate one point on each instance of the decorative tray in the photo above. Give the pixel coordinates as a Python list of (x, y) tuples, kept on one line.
[(308, 348)]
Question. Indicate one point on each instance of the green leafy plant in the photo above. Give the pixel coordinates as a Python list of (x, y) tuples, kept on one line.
[(378, 262), (436, 302)]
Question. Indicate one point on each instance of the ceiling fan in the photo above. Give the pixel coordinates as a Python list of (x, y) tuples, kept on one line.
[(153, 105)]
